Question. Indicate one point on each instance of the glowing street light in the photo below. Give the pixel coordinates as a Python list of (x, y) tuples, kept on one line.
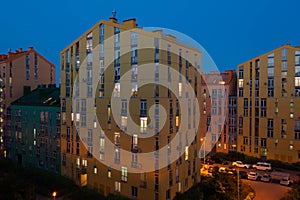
[(203, 143), (54, 195)]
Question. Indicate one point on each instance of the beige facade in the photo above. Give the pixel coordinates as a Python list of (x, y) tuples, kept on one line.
[(105, 47), (269, 105)]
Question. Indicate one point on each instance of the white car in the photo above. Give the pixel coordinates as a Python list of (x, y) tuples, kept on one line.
[(241, 164), (253, 176), (285, 181), (262, 166), (266, 178)]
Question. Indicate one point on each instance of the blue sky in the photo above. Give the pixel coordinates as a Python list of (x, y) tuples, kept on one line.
[(232, 31)]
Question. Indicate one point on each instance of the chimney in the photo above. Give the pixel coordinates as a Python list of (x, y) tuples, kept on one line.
[(159, 32), (30, 48), (130, 23), (171, 37), (20, 50)]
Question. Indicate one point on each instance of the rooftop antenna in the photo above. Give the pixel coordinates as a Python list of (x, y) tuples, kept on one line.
[(114, 13)]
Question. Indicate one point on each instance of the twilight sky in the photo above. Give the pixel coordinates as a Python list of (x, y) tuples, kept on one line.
[(231, 31)]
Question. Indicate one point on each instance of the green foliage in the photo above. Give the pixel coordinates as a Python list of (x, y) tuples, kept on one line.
[(234, 156), (219, 187), (19, 183), (279, 164), (293, 194)]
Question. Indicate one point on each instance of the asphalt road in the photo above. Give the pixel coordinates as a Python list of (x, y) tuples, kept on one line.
[(267, 191)]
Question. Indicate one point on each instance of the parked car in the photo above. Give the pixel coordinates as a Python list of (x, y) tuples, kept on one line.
[(253, 176), (231, 171), (262, 166), (285, 181), (222, 170), (266, 178), (241, 164), (243, 174)]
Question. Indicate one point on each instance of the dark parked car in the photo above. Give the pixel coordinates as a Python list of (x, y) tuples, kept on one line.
[(243, 175)]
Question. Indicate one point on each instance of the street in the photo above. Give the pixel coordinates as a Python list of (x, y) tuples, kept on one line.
[(267, 191)]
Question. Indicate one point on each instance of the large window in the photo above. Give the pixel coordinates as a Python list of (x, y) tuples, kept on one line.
[(124, 174)]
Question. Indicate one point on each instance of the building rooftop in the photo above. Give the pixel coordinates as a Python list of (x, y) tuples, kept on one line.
[(42, 96), (12, 55)]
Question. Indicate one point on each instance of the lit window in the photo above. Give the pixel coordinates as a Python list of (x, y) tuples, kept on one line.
[(241, 83), (135, 140), (143, 122), (109, 172), (186, 153), (124, 174), (124, 122), (117, 186), (291, 145), (78, 161), (117, 139), (117, 90), (180, 89)]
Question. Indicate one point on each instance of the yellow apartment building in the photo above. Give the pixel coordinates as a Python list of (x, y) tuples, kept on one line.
[(269, 105), (130, 111)]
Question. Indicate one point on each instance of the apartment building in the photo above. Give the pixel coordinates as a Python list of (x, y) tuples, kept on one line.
[(33, 139), (218, 112), (120, 50), (268, 105), (18, 69)]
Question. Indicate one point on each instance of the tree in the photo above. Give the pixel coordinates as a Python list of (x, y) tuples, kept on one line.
[(293, 194)]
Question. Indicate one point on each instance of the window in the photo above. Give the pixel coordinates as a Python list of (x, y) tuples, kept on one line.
[(241, 72), (134, 56), (117, 155), (117, 139), (124, 174), (241, 92), (117, 90), (271, 72), (143, 124), (263, 142), (134, 39), (36, 66), (271, 60), (297, 135), (297, 81), (117, 186), (134, 192), (134, 73), (143, 108), (109, 172), (263, 103), (168, 194), (186, 153), (170, 178), (102, 145), (134, 141), (95, 169), (245, 140), (297, 57), (27, 67), (241, 83)]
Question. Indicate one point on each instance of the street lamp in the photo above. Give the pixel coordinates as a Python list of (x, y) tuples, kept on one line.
[(54, 195), (203, 143)]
